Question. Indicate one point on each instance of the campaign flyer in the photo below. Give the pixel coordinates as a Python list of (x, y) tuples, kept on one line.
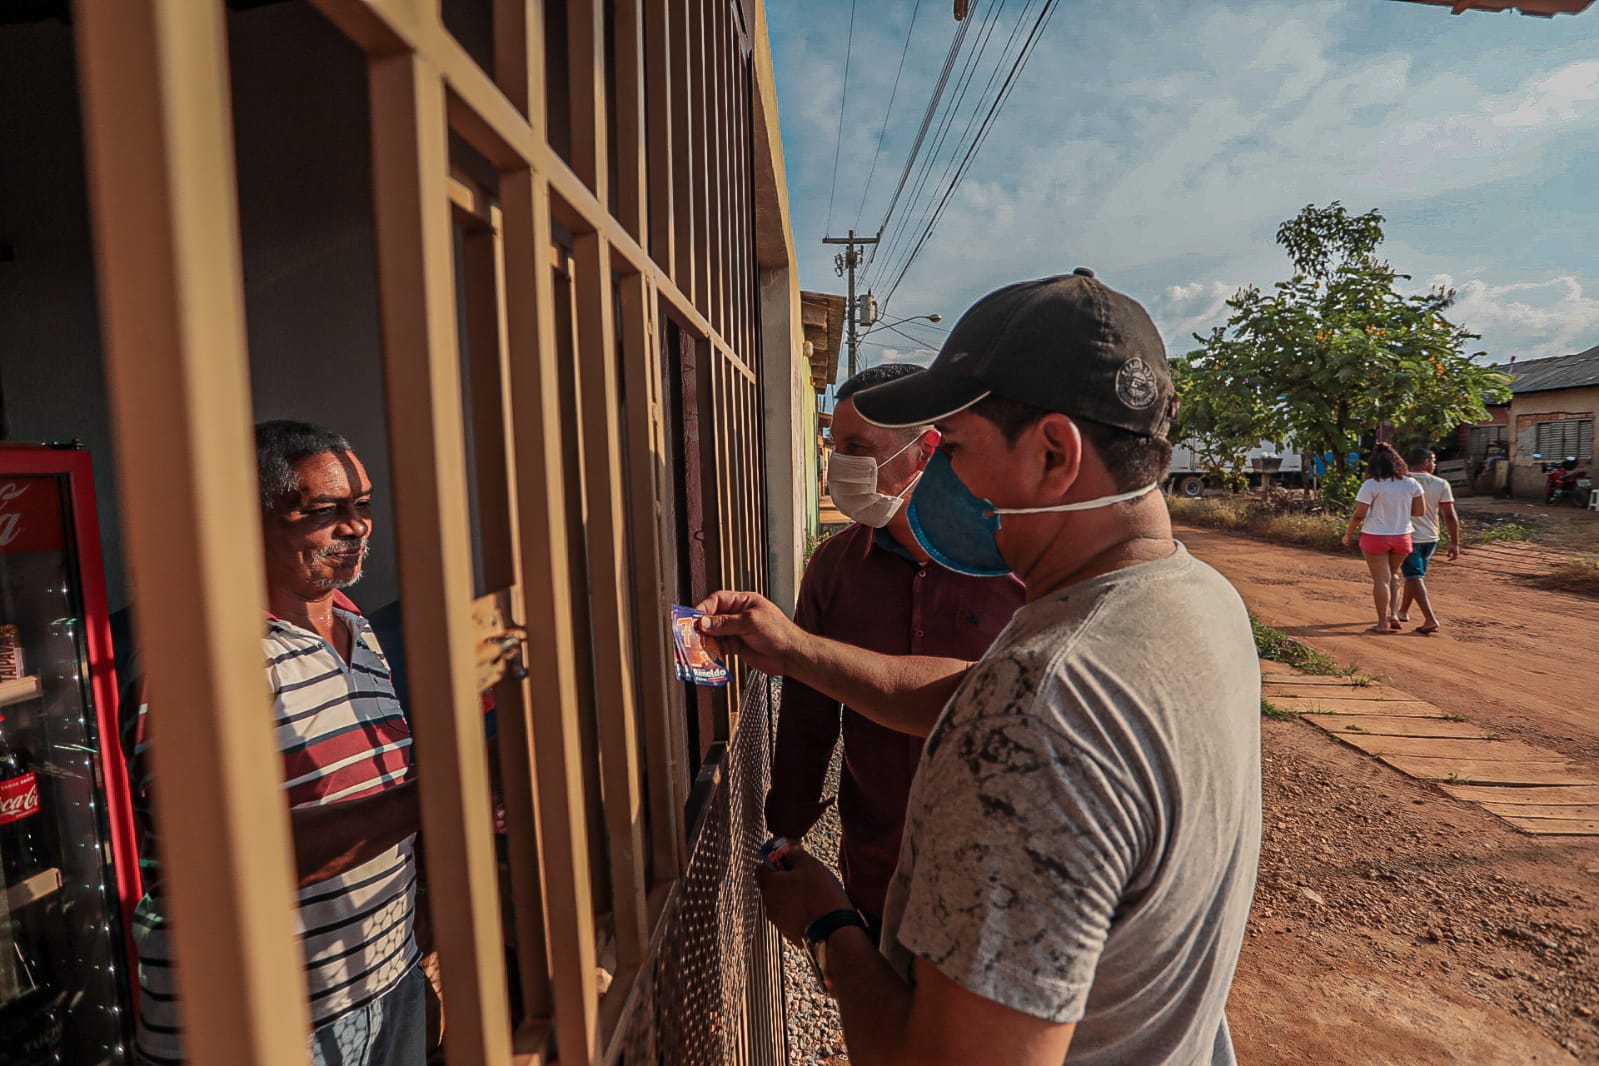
[(694, 659)]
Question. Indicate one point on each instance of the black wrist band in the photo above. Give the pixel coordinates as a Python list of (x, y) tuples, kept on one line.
[(830, 923)]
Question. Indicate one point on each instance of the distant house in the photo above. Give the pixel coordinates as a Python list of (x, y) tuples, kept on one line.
[(1551, 413), (822, 318)]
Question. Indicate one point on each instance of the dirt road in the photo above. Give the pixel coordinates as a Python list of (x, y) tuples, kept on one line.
[(1498, 659), (1393, 924)]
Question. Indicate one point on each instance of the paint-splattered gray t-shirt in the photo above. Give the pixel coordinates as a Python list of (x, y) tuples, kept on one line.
[(1083, 832)]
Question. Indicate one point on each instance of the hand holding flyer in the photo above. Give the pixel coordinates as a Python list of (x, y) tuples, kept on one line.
[(694, 660)]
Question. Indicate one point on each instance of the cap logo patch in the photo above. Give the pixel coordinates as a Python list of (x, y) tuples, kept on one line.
[(1135, 384)]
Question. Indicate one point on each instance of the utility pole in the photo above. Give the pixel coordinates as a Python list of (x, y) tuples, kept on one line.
[(863, 314)]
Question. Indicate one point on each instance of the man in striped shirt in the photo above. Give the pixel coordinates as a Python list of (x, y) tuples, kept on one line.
[(345, 745)]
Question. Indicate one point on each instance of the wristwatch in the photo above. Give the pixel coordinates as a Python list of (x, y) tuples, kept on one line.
[(816, 935)]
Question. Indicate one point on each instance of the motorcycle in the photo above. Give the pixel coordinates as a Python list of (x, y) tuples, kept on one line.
[(1563, 481)]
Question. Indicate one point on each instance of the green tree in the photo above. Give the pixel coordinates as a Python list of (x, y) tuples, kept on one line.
[(1332, 352)]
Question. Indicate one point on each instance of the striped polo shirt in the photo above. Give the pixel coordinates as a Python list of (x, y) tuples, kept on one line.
[(341, 734)]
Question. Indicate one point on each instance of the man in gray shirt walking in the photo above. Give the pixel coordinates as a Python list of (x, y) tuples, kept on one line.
[(1439, 504), (1083, 832)]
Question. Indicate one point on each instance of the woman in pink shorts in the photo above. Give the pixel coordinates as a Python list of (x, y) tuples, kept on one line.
[(1384, 506)]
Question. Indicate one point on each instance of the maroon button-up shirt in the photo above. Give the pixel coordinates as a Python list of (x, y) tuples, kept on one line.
[(862, 588)]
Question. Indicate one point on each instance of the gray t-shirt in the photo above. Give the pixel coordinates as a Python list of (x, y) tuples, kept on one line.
[(1438, 493), (1083, 832)]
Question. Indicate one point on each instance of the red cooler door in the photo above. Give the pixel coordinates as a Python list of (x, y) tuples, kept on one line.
[(63, 967)]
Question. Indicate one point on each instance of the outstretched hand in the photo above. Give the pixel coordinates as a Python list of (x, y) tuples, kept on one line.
[(750, 626)]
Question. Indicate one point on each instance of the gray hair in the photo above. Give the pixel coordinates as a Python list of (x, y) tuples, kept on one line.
[(279, 447), (877, 375)]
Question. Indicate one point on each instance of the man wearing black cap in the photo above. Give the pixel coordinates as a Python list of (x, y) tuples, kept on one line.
[(1082, 834)]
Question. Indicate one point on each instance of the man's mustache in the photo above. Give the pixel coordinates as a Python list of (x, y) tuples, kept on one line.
[(347, 546)]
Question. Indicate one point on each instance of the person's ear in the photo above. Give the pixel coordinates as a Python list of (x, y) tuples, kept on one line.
[(1059, 449), (928, 444)]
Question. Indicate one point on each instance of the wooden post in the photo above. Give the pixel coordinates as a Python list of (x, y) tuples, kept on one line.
[(687, 159), (585, 46), (614, 705), (699, 105), (646, 459), (519, 58), (660, 159), (547, 591), (416, 293), (160, 161), (632, 185)]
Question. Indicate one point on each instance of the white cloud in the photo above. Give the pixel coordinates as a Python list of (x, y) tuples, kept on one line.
[(1162, 144), (1567, 95), (1183, 310), (1526, 318)]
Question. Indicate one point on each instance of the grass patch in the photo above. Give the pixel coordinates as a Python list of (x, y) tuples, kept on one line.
[(1274, 644), (1270, 710), (1279, 523), (1454, 718), (1505, 532)]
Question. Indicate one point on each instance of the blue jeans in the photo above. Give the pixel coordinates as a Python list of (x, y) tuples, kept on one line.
[(386, 1032)]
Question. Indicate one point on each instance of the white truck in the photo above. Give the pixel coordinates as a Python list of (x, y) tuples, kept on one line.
[(1190, 472)]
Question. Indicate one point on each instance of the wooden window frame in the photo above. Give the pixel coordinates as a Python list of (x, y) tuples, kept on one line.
[(156, 94)]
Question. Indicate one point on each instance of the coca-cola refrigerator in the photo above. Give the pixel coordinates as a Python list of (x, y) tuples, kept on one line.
[(66, 827)]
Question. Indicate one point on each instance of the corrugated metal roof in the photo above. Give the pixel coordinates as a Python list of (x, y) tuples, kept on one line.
[(1558, 372), (1543, 8), (822, 318)]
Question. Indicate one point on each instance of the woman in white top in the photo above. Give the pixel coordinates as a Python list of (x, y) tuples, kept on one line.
[(1384, 506)]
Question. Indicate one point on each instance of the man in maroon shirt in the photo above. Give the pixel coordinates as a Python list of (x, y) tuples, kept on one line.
[(873, 586)]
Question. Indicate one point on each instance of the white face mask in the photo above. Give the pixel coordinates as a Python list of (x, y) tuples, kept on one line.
[(852, 481)]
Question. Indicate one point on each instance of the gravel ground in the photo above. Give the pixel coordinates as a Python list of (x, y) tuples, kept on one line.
[(815, 1037), (1362, 865)]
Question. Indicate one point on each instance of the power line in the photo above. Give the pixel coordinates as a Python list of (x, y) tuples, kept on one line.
[(888, 114), (849, 49), (924, 342), (926, 147), (902, 247), (898, 241), (965, 139), (927, 120), (982, 136)]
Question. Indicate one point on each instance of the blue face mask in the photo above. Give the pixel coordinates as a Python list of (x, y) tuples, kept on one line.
[(957, 527)]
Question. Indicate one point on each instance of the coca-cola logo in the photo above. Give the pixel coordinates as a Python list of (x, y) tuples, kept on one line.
[(19, 797), (10, 519), (30, 515)]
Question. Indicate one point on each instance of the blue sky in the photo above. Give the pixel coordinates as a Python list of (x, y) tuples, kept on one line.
[(1162, 143)]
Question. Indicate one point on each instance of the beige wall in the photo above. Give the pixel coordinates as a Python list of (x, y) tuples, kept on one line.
[(1526, 411), (787, 380), (789, 466)]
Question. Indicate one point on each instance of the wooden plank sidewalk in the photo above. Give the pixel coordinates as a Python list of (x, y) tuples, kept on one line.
[(1534, 789)]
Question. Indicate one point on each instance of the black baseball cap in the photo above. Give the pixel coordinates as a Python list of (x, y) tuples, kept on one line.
[(1066, 343)]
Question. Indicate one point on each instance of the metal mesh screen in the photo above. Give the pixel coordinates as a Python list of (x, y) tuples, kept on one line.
[(713, 993)]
